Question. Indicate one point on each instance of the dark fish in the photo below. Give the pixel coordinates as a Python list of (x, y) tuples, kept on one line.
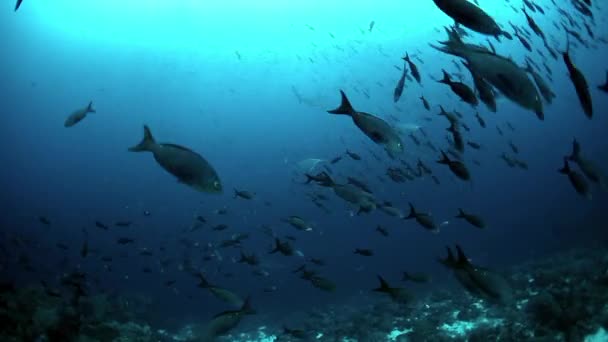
[(364, 251), (471, 17), (123, 223), (462, 90), (201, 219), (458, 140), (78, 115), (124, 241), (578, 181), (457, 167), (473, 145), (484, 89), (587, 166), (282, 247), (382, 230), (335, 160), (220, 227), (359, 184), (243, 194), (604, 87), (416, 277), (224, 322), (533, 25), (371, 25), (18, 4), (524, 41), (189, 167), (378, 130), (481, 121), (353, 155), (514, 148), (579, 82), (423, 219), (470, 218), (400, 85), (413, 67), (220, 292), (428, 107), (397, 294), (318, 262), (45, 221)]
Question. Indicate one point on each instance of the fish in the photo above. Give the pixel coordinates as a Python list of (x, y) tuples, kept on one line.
[(364, 251), (79, 115), (423, 219), (462, 90), (44, 220), (243, 194), (221, 293), (124, 241), (532, 24), (299, 223), (397, 294), (470, 218), (579, 82), (381, 230), (282, 247), (389, 209), (544, 88), (426, 105), (604, 87), (371, 25), (400, 85), (484, 90), (189, 167), (576, 179), (472, 17), (224, 322), (474, 145), (501, 72), (589, 168), (353, 155), (18, 4), (457, 167), (413, 67), (378, 130)]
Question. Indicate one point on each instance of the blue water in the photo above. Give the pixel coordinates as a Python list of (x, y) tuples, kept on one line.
[(176, 68)]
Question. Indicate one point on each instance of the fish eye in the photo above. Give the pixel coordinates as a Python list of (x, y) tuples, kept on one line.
[(216, 184)]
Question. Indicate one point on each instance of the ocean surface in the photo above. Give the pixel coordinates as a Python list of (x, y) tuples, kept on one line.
[(248, 86)]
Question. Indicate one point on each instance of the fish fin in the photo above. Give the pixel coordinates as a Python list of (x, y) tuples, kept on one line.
[(203, 283), (566, 169), (247, 308), (147, 142), (462, 258), (446, 77), (90, 108), (412, 212), (461, 213), (576, 151), (384, 287), (345, 107), (444, 158)]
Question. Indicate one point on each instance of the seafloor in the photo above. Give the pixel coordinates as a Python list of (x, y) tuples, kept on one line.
[(562, 297)]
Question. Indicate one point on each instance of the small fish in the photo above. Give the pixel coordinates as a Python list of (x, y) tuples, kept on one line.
[(78, 115), (364, 252), (474, 145), (576, 179), (124, 241), (353, 155), (457, 167), (423, 219), (400, 85), (413, 67), (45, 221), (579, 82), (371, 25), (282, 247), (336, 159), (425, 103), (470, 218), (243, 194), (382, 230), (123, 223), (18, 4), (397, 294), (463, 91)]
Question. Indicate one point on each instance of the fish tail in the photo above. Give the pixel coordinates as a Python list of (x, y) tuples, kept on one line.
[(566, 169), (407, 57), (406, 276), (345, 107), (384, 287), (576, 151), (446, 77), (444, 158), (203, 283), (460, 213), (462, 258), (146, 144), (247, 308), (90, 108), (412, 212)]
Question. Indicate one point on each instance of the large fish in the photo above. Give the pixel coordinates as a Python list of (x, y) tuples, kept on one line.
[(378, 130), (544, 88), (79, 115), (189, 167), (499, 71), (579, 82), (471, 17)]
